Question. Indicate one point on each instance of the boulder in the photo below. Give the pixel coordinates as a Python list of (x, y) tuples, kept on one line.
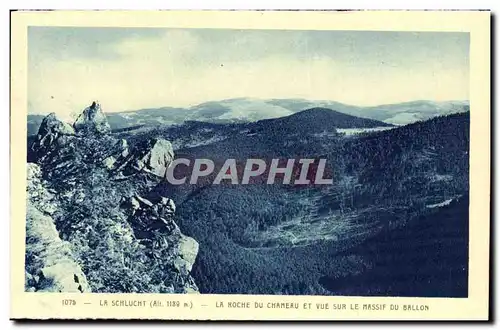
[(188, 250), (122, 146), (92, 120), (191, 289), (62, 277), (151, 157), (155, 158), (109, 162), (117, 155)]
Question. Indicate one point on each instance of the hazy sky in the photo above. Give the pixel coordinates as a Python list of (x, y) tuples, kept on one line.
[(128, 69)]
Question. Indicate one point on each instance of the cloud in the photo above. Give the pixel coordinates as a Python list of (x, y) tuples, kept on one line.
[(186, 67)]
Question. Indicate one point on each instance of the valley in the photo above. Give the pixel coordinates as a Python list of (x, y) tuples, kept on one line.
[(244, 110), (399, 193)]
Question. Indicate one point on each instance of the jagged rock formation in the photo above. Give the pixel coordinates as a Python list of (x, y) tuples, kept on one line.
[(92, 119), (50, 264), (89, 201), (157, 158)]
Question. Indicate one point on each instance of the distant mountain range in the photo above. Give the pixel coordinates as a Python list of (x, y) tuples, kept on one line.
[(251, 109), (393, 222)]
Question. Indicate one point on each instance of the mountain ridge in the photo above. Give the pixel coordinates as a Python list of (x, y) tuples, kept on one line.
[(287, 239)]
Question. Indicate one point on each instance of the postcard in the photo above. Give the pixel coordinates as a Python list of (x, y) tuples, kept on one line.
[(250, 165)]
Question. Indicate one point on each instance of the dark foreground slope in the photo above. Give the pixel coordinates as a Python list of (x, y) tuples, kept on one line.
[(428, 257)]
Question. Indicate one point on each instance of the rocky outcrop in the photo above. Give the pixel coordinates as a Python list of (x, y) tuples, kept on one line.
[(188, 250), (118, 154), (37, 193), (151, 157), (74, 213), (164, 208), (153, 222), (52, 134), (152, 216), (155, 157), (92, 120), (50, 265)]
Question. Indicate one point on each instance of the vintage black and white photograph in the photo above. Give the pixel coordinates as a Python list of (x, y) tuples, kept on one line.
[(247, 161)]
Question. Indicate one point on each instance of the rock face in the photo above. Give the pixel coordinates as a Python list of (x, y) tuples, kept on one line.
[(151, 215), (92, 119), (50, 265), (95, 221), (52, 132), (188, 250), (37, 193)]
